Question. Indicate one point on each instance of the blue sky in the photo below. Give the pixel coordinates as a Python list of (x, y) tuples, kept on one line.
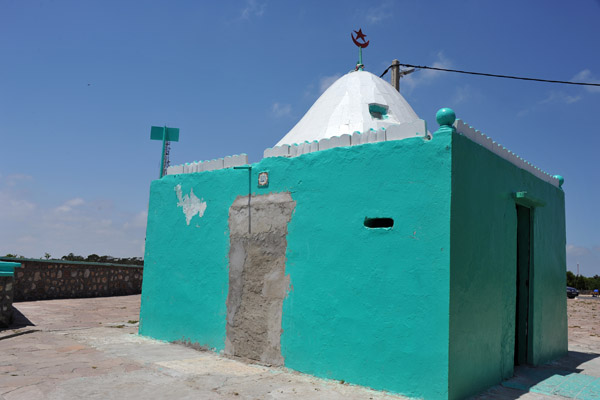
[(81, 82)]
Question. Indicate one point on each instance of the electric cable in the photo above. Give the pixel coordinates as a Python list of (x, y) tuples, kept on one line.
[(492, 75)]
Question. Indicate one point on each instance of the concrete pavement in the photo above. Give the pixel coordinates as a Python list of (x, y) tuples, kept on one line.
[(89, 348)]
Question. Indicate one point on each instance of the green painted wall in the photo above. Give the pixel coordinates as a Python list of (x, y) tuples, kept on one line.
[(186, 266), (368, 306), (483, 269), (426, 309)]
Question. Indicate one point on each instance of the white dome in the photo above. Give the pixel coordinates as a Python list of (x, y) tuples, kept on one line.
[(358, 101)]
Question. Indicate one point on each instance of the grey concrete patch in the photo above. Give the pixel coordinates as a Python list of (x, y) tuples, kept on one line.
[(257, 280)]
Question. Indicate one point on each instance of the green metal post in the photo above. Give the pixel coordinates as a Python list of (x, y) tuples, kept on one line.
[(162, 160), (360, 57)]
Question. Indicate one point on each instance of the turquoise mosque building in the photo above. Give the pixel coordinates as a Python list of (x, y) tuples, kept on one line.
[(364, 248)]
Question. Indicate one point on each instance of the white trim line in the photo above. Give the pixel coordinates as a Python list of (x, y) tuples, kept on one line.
[(485, 141)]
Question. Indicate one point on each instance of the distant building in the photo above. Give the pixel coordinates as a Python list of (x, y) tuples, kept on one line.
[(423, 264)]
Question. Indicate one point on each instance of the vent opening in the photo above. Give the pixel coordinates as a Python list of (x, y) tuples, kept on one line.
[(379, 223), (378, 111)]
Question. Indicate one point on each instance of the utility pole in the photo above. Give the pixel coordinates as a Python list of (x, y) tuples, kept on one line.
[(397, 74)]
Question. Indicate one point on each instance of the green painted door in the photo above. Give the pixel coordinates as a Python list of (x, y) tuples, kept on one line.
[(523, 268)]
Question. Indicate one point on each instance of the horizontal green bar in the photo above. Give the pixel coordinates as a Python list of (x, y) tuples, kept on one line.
[(9, 264), (525, 199)]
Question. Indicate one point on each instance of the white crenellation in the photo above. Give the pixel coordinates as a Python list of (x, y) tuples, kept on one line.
[(373, 136), (201, 166), (175, 169), (314, 146), (392, 132), (355, 138), (483, 140), (279, 151), (340, 141)]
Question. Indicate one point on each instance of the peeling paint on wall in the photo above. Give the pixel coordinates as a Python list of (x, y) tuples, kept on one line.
[(191, 204)]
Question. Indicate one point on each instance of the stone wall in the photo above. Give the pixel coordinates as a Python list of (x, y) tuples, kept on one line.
[(6, 299), (55, 279)]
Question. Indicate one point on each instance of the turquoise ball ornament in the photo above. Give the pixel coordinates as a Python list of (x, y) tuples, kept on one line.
[(445, 117), (561, 180)]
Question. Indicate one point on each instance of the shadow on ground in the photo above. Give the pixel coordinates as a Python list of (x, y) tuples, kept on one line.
[(19, 320), (558, 378)]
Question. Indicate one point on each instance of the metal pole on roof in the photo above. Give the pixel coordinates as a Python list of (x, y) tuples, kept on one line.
[(164, 146), (166, 135), (395, 79)]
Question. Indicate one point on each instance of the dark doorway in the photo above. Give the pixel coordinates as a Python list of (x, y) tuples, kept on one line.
[(523, 271)]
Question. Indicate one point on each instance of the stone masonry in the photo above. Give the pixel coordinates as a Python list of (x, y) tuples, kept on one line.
[(53, 279), (6, 299)]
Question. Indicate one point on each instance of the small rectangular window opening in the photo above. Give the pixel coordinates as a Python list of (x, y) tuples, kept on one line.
[(378, 111), (379, 223)]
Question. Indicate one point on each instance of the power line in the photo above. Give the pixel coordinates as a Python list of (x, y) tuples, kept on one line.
[(492, 75)]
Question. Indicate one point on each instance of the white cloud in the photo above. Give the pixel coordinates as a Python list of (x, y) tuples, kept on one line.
[(281, 110), (379, 13), (69, 205), (78, 225), (327, 81), (13, 207), (425, 76), (138, 221), (552, 97), (465, 93), (253, 8), (587, 77), (14, 179), (588, 259), (560, 97)]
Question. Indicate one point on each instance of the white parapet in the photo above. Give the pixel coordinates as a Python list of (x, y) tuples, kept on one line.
[(392, 132), (201, 166), (372, 136), (175, 169), (295, 150), (278, 151), (356, 138), (501, 151), (407, 130), (303, 148), (235, 161), (337, 141), (314, 146), (213, 164)]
